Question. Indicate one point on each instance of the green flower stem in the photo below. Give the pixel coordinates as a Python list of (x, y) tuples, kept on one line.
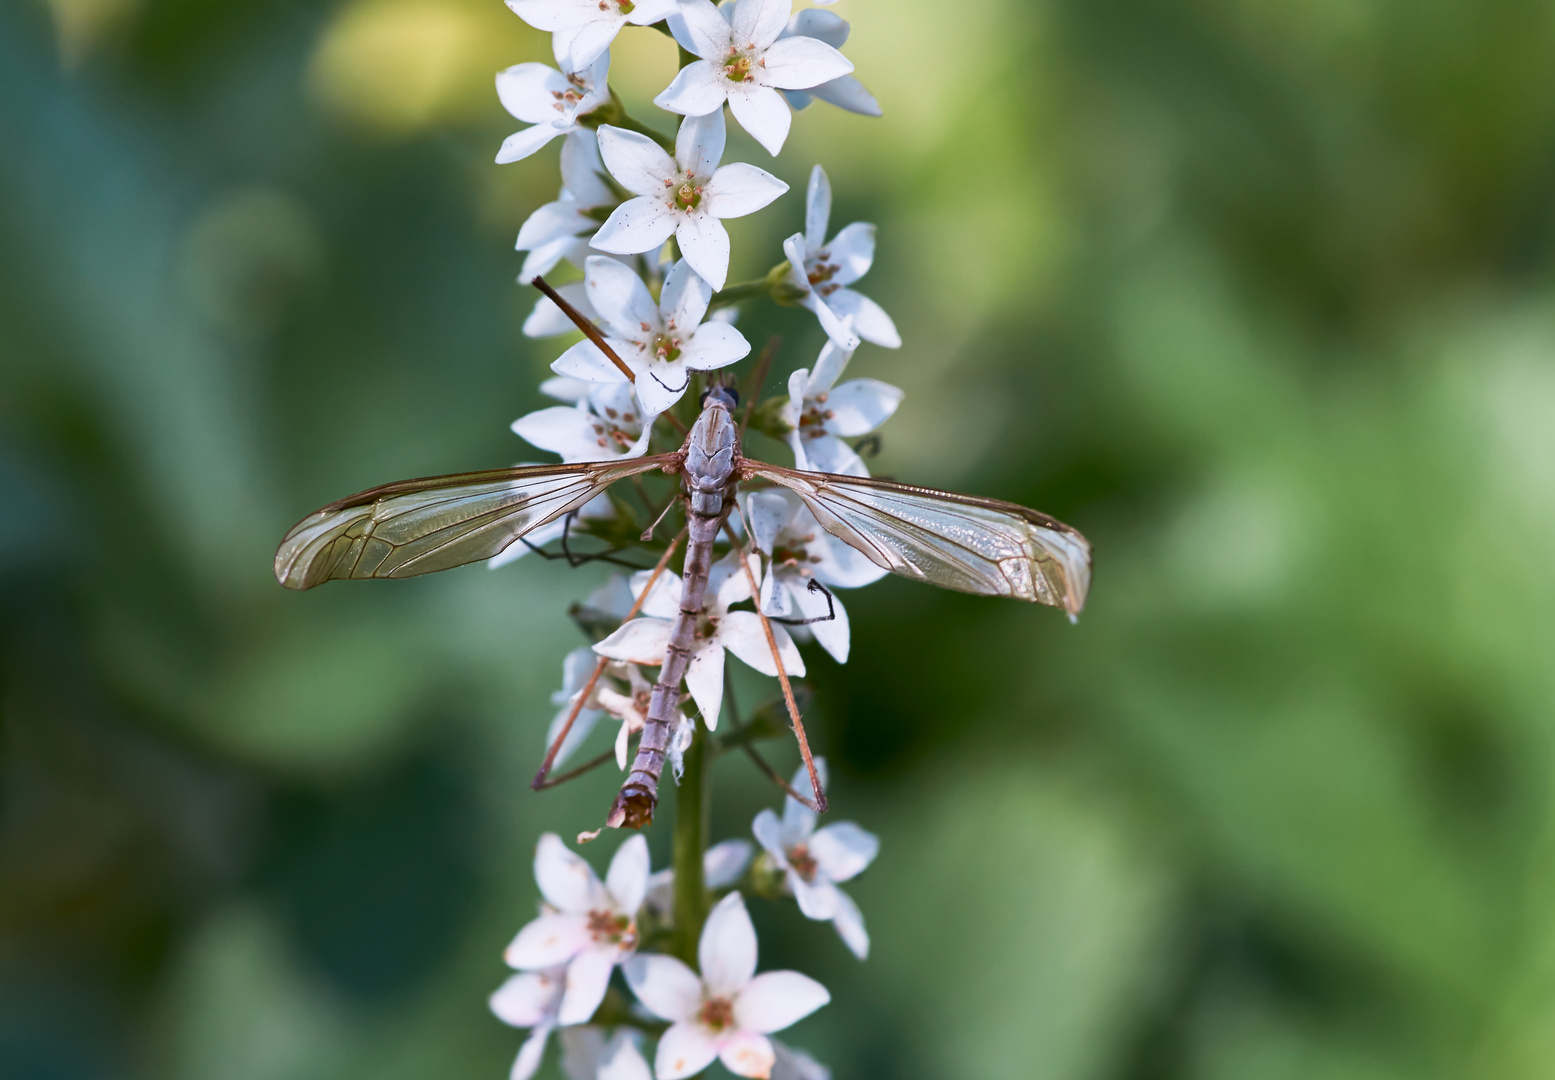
[(692, 807), (614, 113)]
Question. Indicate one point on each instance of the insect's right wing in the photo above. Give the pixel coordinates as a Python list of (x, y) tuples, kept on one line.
[(418, 526), (954, 541)]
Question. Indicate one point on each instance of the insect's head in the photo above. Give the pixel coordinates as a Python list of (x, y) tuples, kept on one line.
[(727, 396)]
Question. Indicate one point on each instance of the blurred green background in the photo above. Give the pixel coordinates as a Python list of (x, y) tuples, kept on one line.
[(1257, 294)]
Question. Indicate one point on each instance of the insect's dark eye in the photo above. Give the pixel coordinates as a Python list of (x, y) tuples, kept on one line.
[(730, 395)]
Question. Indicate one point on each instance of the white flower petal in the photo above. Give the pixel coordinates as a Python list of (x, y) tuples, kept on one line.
[(859, 406), (775, 600), (698, 89), (798, 63), (821, 25), (588, 977), (684, 1050), (641, 641), (684, 298), (839, 331), (768, 512), (530, 1054), (590, 40), (582, 726), (627, 1063), (843, 850), (583, 360), (847, 93), (583, 1048), (699, 144), (843, 566), (662, 385), (541, 260), (553, 221), (627, 878), (565, 880), (705, 680), (552, 15), (852, 251), (817, 899), (701, 29), (637, 162), (747, 1053), (724, 862), (727, 951), (740, 632), (648, 12), (705, 244), (712, 346), (664, 601), (547, 319), (666, 986), (522, 144), (799, 819), (849, 923), (817, 201), (548, 941), (828, 369), (527, 999), (869, 319), (758, 22), (636, 226), (794, 1064), (830, 454), (621, 298), (739, 189), (570, 432), (583, 170), (763, 113), (525, 91), (623, 745), (775, 1000), (768, 832)]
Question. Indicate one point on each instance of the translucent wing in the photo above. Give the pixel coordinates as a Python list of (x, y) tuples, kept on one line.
[(955, 541), (418, 526)]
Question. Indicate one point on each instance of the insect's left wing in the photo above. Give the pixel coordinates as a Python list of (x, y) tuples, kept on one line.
[(418, 526), (954, 541)]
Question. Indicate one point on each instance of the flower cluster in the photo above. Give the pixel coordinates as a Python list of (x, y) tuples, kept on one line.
[(639, 966)]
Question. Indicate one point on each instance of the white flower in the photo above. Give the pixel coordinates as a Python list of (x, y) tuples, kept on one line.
[(824, 272), (845, 92), (582, 29), (586, 926), (628, 704), (643, 640), (746, 60), (821, 414), (813, 861), (530, 1000), (606, 423), (684, 196), (587, 1055), (798, 553), (561, 229), (661, 342), (726, 1013), (538, 94), (722, 865)]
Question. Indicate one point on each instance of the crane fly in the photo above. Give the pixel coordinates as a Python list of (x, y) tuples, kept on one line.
[(955, 541)]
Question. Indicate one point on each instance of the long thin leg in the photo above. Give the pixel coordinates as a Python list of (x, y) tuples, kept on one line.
[(761, 762), (777, 658), (599, 669)]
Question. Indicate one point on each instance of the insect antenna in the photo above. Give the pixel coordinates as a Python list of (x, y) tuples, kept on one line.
[(590, 331), (599, 669)]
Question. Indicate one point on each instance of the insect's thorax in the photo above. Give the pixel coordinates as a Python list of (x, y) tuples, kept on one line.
[(710, 453)]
